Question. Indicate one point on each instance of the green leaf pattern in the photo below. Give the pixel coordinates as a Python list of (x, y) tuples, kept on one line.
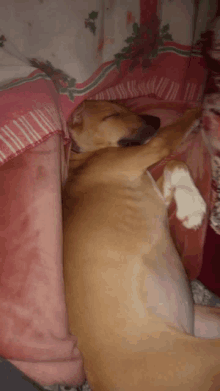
[(143, 44), (90, 22), (2, 40), (64, 83), (142, 47)]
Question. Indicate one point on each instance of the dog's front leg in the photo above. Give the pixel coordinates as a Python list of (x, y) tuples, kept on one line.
[(162, 145)]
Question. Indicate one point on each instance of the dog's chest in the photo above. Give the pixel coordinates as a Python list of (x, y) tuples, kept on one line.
[(124, 209)]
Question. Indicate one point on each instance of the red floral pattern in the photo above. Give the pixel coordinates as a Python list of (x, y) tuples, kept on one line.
[(144, 43)]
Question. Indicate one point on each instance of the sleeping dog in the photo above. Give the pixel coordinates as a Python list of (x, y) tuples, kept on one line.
[(127, 293)]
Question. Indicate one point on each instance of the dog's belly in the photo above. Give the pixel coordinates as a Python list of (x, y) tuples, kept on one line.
[(169, 295), (123, 276)]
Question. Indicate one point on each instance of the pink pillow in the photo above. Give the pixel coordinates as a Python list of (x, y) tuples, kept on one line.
[(33, 323)]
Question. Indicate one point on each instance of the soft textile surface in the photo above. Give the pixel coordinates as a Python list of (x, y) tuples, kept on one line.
[(33, 320), (87, 53), (30, 114), (108, 49), (211, 120), (210, 272)]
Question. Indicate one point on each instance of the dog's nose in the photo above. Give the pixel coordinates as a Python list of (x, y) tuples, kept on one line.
[(149, 128), (151, 120)]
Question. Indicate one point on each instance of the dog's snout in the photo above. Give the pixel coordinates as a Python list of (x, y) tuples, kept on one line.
[(143, 134), (149, 129)]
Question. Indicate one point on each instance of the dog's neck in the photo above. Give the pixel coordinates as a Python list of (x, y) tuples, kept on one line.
[(77, 159)]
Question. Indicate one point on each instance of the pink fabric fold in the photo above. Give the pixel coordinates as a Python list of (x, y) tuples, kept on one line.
[(33, 320), (30, 113), (33, 324)]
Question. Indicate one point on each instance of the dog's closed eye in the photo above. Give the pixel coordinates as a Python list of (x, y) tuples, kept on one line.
[(111, 115)]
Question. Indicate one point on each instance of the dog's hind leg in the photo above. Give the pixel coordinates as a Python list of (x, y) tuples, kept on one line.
[(176, 182)]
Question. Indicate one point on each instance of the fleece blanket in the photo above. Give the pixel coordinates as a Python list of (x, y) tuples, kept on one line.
[(53, 55)]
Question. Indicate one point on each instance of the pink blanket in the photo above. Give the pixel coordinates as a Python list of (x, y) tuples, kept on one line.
[(33, 323)]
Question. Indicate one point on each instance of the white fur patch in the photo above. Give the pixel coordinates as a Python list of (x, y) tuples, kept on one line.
[(190, 205)]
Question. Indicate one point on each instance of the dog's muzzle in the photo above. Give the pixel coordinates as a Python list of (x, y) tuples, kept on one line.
[(148, 130)]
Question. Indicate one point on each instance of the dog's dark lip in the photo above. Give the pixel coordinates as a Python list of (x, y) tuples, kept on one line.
[(215, 112), (143, 135), (129, 143), (74, 147)]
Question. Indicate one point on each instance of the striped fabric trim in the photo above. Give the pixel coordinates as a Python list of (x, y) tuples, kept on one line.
[(162, 87), (190, 91), (155, 85), (79, 91), (33, 127), (19, 82), (28, 130), (180, 52), (131, 89)]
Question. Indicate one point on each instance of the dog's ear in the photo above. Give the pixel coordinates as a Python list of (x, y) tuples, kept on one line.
[(76, 117)]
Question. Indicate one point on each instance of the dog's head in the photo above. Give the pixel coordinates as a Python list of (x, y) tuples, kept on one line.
[(100, 124)]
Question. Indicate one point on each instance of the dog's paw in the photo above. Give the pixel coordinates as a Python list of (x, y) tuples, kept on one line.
[(191, 207)]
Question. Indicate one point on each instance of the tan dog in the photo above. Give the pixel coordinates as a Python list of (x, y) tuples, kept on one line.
[(127, 293)]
